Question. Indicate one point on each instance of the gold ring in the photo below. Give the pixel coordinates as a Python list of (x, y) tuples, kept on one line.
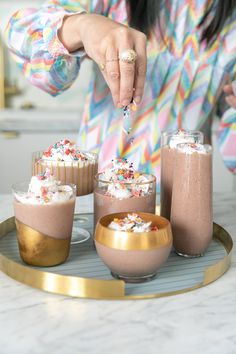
[(102, 67), (128, 56)]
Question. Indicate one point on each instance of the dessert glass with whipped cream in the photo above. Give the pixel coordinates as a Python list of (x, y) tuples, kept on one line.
[(169, 142), (120, 188), (44, 212), (68, 164), (191, 209), (133, 245)]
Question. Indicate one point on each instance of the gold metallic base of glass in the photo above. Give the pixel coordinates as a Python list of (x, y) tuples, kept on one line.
[(40, 250)]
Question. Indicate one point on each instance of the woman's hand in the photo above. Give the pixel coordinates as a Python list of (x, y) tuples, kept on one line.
[(104, 40), (230, 98)]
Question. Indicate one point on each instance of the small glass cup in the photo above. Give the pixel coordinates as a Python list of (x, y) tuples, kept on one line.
[(134, 257), (191, 208), (168, 150), (125, 196), (81, 173), (43, 230)]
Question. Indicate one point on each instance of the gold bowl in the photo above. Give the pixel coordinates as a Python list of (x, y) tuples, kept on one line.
[(133, 256)]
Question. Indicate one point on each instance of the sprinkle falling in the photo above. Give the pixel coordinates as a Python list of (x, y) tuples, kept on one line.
[(127, 122)]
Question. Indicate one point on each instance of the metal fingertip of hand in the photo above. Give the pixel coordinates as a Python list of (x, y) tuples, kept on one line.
[(134, 106), (102, 66)]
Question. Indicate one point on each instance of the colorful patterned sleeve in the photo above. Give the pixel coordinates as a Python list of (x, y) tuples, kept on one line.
[(32, 38), (227, 128), (227, 139)]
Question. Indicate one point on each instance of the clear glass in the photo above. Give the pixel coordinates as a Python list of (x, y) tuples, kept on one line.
[(169, 140), (191, 207), (53, 220), (126, 196), (81, 173)]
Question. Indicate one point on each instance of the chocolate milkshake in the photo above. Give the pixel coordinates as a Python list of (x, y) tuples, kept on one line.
[(120, 188), (68, 164), (191, 209), (169, 141), (133, 246), (44, 213)]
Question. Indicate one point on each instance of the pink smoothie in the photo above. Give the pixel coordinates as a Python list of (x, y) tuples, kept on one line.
[(167, 165), (68, 164), (54, 220), (191, 210), (104, 204), (168, 149), (79, 173), (133, 263)]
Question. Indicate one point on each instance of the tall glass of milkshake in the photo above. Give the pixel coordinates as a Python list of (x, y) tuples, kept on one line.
[(120, 188), (191, 208), (169, 141), (44, 211)]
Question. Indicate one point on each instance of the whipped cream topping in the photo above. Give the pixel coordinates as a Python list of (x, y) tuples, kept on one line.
[(67, 151), (181, 136), (188, 148), (121, 171), (126, 182), (132, 223), (45, 189)]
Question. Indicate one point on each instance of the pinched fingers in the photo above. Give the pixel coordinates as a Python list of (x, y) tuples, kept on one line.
[(141, 68), (125, 75)]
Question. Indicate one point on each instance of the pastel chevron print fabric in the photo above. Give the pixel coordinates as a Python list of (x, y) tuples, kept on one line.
[(184, 77)]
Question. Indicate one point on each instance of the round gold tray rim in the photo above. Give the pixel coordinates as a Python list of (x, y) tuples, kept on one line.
[(92, 288)]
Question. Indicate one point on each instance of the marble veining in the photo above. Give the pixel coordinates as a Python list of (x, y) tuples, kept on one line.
[(203, 321)]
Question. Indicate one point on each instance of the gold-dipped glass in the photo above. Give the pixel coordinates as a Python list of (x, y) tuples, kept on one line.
[(133, 256)]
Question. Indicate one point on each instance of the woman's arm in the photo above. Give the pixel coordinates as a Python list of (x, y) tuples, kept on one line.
[(47, 46), (32, 37)]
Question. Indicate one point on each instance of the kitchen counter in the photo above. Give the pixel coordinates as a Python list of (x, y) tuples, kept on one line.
[(202, 321), (39, 120)]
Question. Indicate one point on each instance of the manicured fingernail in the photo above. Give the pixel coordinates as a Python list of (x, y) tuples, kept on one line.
[(125, 103), (137, 99), (134, 106)]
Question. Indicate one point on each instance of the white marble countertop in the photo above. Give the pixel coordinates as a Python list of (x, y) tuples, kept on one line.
[(202, 321)]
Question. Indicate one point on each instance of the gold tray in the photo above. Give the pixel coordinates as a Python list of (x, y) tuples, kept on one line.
[(85, 276)]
